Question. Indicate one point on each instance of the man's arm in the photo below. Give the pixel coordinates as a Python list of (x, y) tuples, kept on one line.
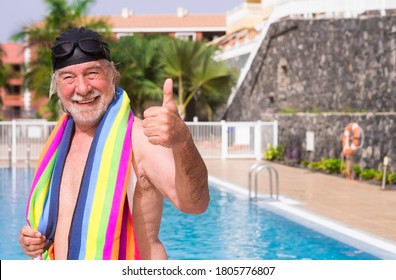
[(191, 177), (171, 161)]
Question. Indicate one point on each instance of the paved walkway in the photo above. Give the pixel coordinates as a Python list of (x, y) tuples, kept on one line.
[(355, 204)]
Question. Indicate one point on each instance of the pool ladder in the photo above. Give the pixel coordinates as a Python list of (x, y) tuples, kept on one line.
[(255, 169)]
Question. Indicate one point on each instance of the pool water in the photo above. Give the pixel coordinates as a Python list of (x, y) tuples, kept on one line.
[(14, 191), (231, 228)]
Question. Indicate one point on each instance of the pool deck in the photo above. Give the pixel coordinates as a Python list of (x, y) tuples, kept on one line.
[(354, 204)]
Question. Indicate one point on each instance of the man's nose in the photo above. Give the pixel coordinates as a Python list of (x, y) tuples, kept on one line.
[(83, 85)]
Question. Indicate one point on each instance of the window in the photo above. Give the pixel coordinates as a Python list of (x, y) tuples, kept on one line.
[(13, 90), (187, 36), (16, 68)]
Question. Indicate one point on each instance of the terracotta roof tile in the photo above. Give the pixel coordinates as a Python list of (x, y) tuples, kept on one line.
[(170, 22), (160, 23)]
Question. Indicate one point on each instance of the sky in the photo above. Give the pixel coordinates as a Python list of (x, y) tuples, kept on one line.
[(18, 13)]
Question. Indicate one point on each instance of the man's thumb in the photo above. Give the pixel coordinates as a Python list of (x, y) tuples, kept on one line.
[(168, 94)]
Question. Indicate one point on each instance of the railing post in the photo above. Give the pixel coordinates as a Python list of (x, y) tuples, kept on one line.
[(383, 8), (224, 139), (28, 155), (13, 142), (275, 134), (257, 141)]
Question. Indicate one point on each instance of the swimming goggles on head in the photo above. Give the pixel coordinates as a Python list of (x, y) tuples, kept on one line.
[(88, 45)]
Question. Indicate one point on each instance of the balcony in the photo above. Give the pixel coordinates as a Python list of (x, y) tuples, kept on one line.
[(15, 81), (246, 15), (13, 100)]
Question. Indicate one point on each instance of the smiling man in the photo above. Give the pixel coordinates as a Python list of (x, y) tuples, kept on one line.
[(101, 180)]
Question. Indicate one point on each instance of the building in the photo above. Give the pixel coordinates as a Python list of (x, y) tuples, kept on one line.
[(243, 27), (16, 102), (180, 25)]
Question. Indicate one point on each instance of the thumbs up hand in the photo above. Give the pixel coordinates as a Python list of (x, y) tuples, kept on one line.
[(162, 124)]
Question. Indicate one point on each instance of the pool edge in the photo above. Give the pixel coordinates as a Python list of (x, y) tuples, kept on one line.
[(286, 207)]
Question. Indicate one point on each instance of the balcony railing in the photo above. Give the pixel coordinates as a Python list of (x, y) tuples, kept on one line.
[(330, 8), (244, 11)]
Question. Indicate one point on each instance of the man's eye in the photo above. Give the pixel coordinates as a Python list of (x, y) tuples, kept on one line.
[(68, 78), (93, 75)]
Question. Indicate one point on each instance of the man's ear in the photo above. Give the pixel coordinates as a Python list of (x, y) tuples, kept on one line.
[(116, 78)]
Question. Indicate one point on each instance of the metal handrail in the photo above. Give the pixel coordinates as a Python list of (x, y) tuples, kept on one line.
[(256, 168)]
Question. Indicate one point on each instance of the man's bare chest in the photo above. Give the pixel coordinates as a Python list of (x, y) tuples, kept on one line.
[(72, 175)]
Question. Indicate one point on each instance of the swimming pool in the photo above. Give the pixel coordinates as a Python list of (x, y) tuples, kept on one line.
[(14, 190), (231, 228)]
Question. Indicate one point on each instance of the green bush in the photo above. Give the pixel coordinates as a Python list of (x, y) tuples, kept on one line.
[(331, 165), (378, 174), (274, 153), (367, 174), (335, 165), (315, 165), (357, 170), (391, 178)]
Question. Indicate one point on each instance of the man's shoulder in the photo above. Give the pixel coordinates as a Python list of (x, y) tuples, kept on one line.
[(137, 134)]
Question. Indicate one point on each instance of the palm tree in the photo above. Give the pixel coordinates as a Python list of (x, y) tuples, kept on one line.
[(191, 65), (137, 59), (177, 56), (211, 81), (39, 37)]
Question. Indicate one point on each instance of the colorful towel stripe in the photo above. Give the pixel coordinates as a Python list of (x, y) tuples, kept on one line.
[(102, 226)]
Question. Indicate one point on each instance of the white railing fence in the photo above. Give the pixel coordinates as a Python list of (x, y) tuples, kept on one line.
[(21, 141), (234, 139), (332, 8)]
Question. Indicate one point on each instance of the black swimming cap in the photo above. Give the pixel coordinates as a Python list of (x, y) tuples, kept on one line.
[(78, 45)]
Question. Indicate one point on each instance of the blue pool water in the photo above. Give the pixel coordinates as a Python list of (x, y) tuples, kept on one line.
[(231, 228), (14, 191)]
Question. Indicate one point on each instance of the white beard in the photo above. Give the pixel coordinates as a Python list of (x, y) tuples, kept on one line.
[(89, 115)]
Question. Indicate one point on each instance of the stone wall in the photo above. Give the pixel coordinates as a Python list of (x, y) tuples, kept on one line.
[(379, 136), (237, 62), (344, 70), (344, 65)]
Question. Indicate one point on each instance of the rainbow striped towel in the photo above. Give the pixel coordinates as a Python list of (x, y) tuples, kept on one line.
[(102, 226)]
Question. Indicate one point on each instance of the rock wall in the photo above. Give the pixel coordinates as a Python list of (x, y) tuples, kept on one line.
[(340, 70), (345, 65), (379, 136)]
